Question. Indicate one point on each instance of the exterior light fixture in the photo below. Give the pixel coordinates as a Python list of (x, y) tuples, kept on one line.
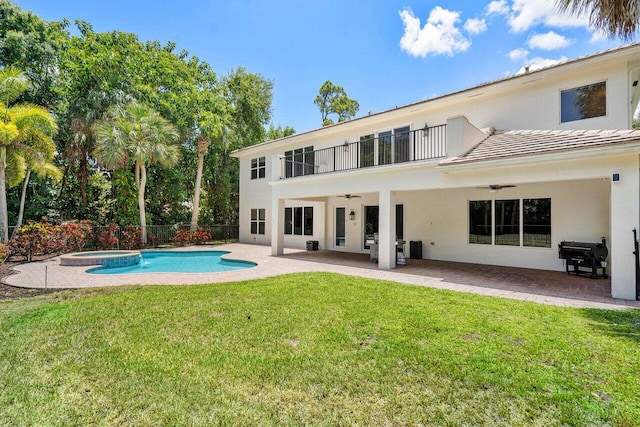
[(352, 215), (346, 146), (425, 130)]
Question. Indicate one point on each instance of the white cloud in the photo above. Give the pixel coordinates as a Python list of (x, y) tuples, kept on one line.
[(439, 36), (528, 13), (518, 54), (498, 7), (539, 63), (548, 41), (475, 26), (598, 36)]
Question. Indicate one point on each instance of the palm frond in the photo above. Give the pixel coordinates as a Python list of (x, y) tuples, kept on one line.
[(13, 83), (616, 18), (16, 167)]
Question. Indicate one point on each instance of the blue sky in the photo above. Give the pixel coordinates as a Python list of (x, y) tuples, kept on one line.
[(384, 53)]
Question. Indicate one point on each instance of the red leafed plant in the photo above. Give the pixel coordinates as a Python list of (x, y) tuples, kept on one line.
[(76, 235), (36, 238), (131, 237), (108, 236)]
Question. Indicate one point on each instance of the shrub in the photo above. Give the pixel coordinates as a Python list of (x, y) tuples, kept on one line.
[(36, 238), (3, 252), (131, 237), (108, 236), (76, 235), (200, 236), (182, 237)]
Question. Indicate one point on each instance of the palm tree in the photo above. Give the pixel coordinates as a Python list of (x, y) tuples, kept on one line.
[(82, 115), (42, 167), (136, 134), (616, 18), (209, 127), (25, 131)]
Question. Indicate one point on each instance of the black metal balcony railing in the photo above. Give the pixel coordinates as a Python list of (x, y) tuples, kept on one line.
[(385, 149)]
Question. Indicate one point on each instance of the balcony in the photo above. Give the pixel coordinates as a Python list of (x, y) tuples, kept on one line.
[(385, 149)]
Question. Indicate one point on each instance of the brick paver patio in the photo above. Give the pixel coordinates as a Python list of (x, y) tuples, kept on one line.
[(546, 287)]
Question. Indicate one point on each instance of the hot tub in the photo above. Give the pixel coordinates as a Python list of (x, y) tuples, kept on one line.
[(107, 259)]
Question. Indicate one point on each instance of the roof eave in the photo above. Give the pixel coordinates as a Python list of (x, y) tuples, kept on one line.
[(537, 158)]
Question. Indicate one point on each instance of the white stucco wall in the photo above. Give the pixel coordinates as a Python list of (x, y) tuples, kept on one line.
[(440, 218), (585, 204)]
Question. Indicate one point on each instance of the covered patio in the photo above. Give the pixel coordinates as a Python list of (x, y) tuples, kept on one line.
[(543, 286)]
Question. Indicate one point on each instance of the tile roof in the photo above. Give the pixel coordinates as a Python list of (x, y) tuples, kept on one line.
[(505, 144)]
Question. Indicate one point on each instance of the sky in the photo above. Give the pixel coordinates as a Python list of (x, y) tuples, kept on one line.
[(385, 53)]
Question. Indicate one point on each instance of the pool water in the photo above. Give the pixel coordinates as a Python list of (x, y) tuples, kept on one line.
[(178, 262)]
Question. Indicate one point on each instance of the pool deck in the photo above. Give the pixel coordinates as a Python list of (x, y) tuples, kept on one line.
[(545, 287)]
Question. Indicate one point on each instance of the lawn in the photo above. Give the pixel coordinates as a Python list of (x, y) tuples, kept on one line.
[(313, 349)]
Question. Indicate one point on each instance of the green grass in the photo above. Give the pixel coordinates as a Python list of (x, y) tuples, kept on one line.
[(313, 349)]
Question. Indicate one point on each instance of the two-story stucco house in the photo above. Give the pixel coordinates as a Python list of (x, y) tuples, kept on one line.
[(499, 174)]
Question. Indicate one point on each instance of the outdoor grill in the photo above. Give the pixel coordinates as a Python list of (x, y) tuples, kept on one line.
[(585, 258)]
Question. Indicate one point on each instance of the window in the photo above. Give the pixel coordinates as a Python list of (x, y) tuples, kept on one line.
[(536, 215), (288, 221), (505, 227), (401, 147), (480, 222), (257, 221), (507, 222), (367, 150), (258, 168), (583, 102), (384, 148), (299, 162), (298, 221), (391, 146), (308, 221)]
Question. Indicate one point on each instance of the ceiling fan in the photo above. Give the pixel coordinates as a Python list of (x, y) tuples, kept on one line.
[(495, 188), (350, 196)]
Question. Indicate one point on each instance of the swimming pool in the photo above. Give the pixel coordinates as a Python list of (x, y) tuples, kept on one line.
[(178, 262)]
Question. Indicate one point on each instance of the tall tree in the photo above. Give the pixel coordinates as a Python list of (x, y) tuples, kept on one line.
[(32, 45), (22, 128), (247, 97), (279, 132), (333, 99), (616, 18), (136, 134)]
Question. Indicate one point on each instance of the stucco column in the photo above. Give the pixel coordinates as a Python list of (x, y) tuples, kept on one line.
[(625, 214), (277, 226), (387, 230)]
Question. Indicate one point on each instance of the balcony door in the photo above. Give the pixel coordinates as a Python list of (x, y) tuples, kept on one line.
[(386, 147)]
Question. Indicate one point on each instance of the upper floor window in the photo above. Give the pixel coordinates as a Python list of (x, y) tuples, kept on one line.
[(391, 146), (299, 162), (583, 102), (258, 168)]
